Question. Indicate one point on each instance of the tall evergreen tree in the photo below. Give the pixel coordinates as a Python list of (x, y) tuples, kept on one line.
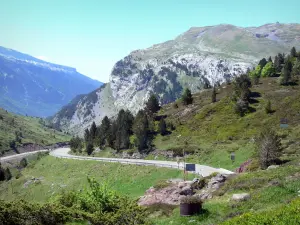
[(293, 52), (214, 95), (124, 129), (270, 59), (89, 148), (142, 131), (262, 62), (104, 132), (93, 131), (162, 127), (187, 97), (278, 62), (152, 105), (87, 135)]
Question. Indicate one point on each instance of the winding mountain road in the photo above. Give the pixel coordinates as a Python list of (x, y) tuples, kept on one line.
[(200, 169), (64, 153)]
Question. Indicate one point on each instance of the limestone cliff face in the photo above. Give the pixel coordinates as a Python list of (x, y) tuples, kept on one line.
[(197, 58)]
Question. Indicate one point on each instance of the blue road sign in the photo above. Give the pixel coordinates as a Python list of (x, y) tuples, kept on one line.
[(190, 167)]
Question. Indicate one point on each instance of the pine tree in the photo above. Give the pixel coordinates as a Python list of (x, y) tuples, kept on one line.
[(124, 129), (293, 52), (262, 62), (214, 95), (269, 145), (187, 97), (278, 62), (89, 148), (93, 131), (152, 105), (86, 135), (162, 127), (104, 132), (270, 59), (142, 131)]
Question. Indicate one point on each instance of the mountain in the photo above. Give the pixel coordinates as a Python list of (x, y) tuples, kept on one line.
[(38, 88), (202, 56)]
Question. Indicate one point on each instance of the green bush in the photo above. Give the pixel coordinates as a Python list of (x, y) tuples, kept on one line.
[(288, 214)]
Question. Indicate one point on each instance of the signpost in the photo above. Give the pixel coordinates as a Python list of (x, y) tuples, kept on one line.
[(232, 157), (190, 167)]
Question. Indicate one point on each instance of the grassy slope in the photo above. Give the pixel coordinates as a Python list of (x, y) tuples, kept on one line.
[(269, 190), (63, 174), (32, 130), (214, 130)]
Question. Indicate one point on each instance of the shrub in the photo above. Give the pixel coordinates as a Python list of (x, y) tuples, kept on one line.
[(23, 163), (287, 214), (241, 107), (268, 107)]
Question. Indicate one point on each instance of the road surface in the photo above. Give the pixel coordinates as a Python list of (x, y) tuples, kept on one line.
[(200, 169), (7, 158)]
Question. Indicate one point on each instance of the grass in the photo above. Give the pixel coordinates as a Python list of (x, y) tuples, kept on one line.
[(66, 174), (32, 129), (214, 130), (269, 190)]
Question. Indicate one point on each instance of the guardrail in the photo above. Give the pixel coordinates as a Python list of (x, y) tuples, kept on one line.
[(123, 161)]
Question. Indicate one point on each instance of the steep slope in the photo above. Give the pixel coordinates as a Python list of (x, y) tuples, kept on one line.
[(38, 88), (197, 58), (21, 131)]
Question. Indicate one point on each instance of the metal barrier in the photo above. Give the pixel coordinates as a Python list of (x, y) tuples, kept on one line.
[(122, 161)]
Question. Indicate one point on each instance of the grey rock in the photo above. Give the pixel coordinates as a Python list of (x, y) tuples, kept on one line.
[(272, 167), (188, 190), (240, 197)]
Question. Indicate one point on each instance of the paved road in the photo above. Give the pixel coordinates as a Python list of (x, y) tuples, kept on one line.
[(200, 169), (7, 158)]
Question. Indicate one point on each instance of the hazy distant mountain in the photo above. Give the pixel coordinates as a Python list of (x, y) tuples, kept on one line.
[(201, 56), (38, 88)]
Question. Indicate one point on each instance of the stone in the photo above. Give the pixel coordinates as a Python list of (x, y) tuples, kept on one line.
[(186, 191), (272, 167), (240, 197)]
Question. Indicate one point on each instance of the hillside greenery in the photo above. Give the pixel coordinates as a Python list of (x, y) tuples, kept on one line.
[(16, 130)]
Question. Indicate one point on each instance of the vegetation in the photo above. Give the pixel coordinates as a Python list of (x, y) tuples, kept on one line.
[(269, 145), (17, 130), (187, 97)]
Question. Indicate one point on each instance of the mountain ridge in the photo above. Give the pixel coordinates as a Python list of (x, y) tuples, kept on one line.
[(38, 88), (197, 58)]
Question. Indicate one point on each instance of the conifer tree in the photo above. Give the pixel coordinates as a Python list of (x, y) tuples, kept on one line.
[(142, 131), (152, 105), (268, 107), (293, 52), (214, 95), (93, 131), (187, 97), (162, 127)]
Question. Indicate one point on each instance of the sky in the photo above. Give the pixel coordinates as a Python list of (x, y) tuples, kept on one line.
[(92, 35)]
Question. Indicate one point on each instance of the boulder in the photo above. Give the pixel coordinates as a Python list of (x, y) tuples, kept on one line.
[(188, 190), (272, 167), (240, 197)]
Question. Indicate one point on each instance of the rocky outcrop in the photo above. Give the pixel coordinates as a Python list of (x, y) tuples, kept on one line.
[(177, 189), (199, 58)]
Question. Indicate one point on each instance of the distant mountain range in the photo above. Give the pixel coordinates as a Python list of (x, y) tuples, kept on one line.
[(200, 57), (37, 88)]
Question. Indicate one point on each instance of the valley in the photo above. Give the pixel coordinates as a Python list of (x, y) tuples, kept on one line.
[(201, 129)]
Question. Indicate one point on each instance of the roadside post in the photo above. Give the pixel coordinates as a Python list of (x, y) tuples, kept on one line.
[(232, 157)]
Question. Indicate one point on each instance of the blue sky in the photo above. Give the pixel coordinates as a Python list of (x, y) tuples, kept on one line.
[(92, 35)]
